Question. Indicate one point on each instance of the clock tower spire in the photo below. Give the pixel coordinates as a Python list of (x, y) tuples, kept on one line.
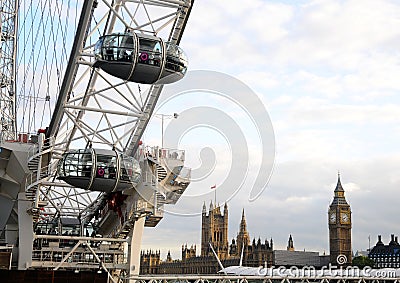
[(339, 219)]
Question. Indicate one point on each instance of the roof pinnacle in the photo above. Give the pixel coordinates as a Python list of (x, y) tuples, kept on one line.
[(339, 187)]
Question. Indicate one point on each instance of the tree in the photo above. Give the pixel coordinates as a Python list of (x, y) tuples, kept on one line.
[(363, 261)]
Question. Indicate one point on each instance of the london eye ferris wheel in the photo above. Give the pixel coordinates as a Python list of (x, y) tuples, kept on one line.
[(79, 83)]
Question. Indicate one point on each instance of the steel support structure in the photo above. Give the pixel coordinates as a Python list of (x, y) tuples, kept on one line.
[(94, 109), (8, 53)]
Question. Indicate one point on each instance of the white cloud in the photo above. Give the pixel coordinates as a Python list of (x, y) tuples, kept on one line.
[(354, 114), (340, 33), (328, 73)]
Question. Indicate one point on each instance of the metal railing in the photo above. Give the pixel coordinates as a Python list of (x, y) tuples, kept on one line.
[(264, 279), (156, 153), (22, 137), (45, 172), (47, 145), (81, 251)]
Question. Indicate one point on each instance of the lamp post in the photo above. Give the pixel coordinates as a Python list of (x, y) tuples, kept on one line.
[(165, 116)]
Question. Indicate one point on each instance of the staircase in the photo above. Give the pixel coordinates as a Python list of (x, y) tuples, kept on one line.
[(32, 182), (172, 177), (127, 227), (161, 172), (39, 173), (160, 199)]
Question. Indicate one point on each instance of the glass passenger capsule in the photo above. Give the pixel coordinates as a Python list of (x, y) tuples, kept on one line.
[(99, 170), (140, 58)]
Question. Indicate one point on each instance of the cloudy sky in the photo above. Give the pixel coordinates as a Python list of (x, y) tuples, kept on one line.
[(327, 73)]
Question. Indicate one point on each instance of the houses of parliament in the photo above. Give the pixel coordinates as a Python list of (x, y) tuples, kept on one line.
[(214, 232)]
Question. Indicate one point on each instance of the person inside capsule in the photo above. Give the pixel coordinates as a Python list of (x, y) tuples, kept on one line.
[(109, 50), (156, 56), (126, 49), (154, 60), (112, 170)]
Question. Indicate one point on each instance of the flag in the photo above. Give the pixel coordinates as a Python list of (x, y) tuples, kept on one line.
[(214, 187)]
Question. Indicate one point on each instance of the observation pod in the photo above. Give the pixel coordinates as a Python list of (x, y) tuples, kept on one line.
[(99, 170), (140, 58)]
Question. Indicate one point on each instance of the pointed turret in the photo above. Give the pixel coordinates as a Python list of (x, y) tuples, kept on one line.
[(204, 211), (217, 209), (290, 246), (169, 258), (243, 225), (339, 194), (211, 206), (339, 187), (243, 238), (225, 226)]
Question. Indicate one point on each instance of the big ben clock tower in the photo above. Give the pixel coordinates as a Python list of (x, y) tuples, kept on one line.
[(339, 219)]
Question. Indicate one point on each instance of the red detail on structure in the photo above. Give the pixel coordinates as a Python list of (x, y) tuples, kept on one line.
[(115, 201)]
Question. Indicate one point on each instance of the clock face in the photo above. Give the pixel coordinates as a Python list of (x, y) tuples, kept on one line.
[(344, 217), (332, 217)]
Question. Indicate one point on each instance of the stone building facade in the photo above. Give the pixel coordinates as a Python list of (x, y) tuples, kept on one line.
[(214, 231), (149, 262)]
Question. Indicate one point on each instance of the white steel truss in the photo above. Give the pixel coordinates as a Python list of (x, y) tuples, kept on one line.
[(95, 109), (8, 50)]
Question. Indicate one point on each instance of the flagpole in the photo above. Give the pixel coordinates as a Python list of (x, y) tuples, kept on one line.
[(215, 194)]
